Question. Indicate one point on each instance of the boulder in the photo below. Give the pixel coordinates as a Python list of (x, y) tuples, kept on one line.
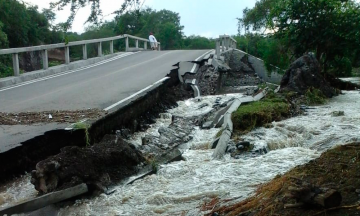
[(98, 166), (304, 73)]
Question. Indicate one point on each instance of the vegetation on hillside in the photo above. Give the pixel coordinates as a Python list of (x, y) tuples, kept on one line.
[(328, 28)]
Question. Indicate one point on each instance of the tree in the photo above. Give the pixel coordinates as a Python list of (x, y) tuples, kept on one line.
[(198, 42), (164, 24), (24, 26), (329, 28), (4, 43), (95, 13)]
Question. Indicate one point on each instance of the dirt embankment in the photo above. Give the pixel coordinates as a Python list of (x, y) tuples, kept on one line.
[(337, 169)]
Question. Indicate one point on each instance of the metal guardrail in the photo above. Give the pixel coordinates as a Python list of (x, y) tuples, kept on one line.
[(225, 42), (44, 49)]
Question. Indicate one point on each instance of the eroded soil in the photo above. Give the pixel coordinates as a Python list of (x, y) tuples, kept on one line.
[(337, 169), (64, 116)]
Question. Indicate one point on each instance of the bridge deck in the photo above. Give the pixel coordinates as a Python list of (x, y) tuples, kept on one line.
[(96, 87)]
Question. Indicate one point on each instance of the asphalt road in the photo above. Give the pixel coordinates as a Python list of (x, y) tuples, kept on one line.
[(96, 87)]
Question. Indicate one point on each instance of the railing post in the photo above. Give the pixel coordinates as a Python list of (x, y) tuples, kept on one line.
[(45, 59), (67, 55), (84, 51), (159, 49), (137, 43), (127, 44), (99, 49), (112, 47), (15, 58), (145, 45), (218, 48), (227, 43), (223, 44)]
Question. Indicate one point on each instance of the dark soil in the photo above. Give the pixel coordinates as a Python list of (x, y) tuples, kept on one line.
[(339, 84), (305, 73), (337, 169), (27, 118), (98, 166)]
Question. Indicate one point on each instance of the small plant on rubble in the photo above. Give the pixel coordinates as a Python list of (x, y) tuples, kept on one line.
[(85, 127)]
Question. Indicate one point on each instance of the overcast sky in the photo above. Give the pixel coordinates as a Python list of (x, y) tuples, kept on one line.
[(208, 18)]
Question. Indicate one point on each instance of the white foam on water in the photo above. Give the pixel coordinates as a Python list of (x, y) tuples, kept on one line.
[(181, 188)]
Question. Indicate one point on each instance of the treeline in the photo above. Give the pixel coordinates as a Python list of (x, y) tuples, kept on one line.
[(24, 25), (164, 24), (279, 31)]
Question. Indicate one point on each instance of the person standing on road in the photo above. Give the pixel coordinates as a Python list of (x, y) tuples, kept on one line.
[(153, 41)]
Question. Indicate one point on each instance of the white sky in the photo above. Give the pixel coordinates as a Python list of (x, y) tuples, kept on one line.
[(209, 18)]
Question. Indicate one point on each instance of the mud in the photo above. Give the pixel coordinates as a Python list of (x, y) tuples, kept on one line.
[(99, 166), (69, 116), (335, 169)]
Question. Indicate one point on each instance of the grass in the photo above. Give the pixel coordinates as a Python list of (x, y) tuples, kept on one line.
[(54, 63), (218, 134), (85, 127), (259, 113), (154, 166), (315, 97), (355, 72), (267, 85)]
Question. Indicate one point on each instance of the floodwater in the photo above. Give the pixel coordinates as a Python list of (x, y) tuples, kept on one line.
[(182, 187), (355, 80)]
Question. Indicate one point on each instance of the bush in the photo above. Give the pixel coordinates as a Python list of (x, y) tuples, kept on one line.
[(5, 71), (314, 97)]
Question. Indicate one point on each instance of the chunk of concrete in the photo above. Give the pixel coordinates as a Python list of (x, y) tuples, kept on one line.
[(220, 65), (45, 200), (207, 125)]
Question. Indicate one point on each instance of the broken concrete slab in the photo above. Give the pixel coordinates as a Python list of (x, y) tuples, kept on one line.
[(227, 130), (259, 66), (220, 65), (168, 157), (186, 67), (196, 91), (207, 125), (45, 200), (12, 136)]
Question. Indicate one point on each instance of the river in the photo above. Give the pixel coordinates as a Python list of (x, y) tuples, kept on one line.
[(181, 188)]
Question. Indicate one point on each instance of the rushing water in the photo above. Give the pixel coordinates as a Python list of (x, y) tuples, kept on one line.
[(352, 79), (181, 188)]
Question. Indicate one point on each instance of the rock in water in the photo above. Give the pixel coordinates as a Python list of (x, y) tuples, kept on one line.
[(98, 166), (304, 73)]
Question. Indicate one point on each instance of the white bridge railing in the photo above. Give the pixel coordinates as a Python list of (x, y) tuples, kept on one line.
[(44, 49), (223, 43)]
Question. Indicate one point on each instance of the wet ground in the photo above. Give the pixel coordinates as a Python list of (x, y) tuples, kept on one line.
[(28, 118), (184, 187)]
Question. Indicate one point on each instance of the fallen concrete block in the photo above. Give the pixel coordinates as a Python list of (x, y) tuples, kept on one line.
[(45, 200), (171, 156)]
